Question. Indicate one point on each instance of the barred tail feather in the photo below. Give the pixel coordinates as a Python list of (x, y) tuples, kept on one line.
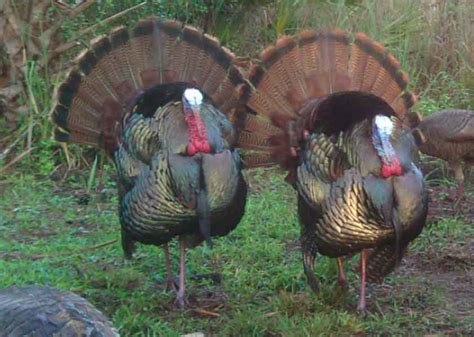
[(108, 77), (299, 73)]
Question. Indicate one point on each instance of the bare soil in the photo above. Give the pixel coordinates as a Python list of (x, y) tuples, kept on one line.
[(439, 281)]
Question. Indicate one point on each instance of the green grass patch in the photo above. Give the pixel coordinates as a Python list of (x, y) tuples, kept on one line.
[(262, 292)]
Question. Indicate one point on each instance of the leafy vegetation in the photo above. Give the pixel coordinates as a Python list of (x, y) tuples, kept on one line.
[(431, 40), (51, 230), (58, 204)]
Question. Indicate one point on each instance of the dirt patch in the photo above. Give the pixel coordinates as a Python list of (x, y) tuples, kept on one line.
[(438, 282), (28, 236), (442, 205), (81, 228)]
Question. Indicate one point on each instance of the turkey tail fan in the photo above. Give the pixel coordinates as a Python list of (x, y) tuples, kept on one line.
[(107, 78), (321, 78)]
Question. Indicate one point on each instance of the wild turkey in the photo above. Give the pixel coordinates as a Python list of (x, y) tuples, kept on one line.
[(333, 113), (161, 101), (46, 312), (449, 135)]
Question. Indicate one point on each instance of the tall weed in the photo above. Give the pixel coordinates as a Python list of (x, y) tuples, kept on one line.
[(432, 40)]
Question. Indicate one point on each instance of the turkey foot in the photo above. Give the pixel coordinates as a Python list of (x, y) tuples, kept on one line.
[(459, 194), (363, 263), (181, 300), (341, 279), (308, 262), (171, 284)]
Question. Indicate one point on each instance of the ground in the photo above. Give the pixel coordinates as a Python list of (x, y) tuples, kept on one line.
[(250, 284)]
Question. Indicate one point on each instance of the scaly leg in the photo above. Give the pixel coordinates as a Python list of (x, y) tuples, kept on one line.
[(459, 176), (363, 263), (308, 262), (180, 297), (170, 282), (128, 245), (341, 280)]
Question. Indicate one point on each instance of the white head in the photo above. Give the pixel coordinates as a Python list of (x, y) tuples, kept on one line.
[(384, 125), (382, 129), (193, 97)]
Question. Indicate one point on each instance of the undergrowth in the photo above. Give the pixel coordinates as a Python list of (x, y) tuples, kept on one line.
[(56, 201), (251, 283), (432, 45)]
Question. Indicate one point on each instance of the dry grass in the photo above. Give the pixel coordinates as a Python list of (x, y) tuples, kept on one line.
[(432, 39)]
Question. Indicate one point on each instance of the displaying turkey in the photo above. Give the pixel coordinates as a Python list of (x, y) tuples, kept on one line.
[(449, 135), (334, 112), (161, 101), (46, 312)]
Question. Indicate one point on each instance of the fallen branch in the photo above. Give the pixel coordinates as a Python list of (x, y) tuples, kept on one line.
[(206, 312), (111, 18), (73, 42), (73, 10), (20, 256), (5, 152), (17, 159)]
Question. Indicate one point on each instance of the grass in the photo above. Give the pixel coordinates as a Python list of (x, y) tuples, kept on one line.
[(262, 292), (433, 46)]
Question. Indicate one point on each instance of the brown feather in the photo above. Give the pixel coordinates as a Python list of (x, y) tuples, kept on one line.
[(333, 59), (299, 73), (107, 78), (254, 141), (375, 51), (402, 105), (258, 159), (309, 51), (260, 125)]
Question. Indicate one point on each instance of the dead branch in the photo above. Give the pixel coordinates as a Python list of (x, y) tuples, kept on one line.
[(20, 256), (73, 42)]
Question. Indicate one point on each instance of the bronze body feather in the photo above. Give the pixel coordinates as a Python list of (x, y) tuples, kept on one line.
[(162, 101), (334, 111)]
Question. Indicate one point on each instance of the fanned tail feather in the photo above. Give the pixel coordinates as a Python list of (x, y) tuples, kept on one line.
[(299, 73), (107, 78)]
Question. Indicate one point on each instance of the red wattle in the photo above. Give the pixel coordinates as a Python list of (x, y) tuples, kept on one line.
[(194, 148), (198, 141), (392, 169), (191, 149)]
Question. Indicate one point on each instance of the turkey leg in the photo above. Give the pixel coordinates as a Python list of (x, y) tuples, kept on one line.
[(363, 264), (180, 298), (308, 262), (341, 279), (170, 282), (459, 176)]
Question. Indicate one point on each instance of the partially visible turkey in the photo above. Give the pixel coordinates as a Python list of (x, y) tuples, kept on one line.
[(334, 112), (162, 102), (449, 135), (46, 312)]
